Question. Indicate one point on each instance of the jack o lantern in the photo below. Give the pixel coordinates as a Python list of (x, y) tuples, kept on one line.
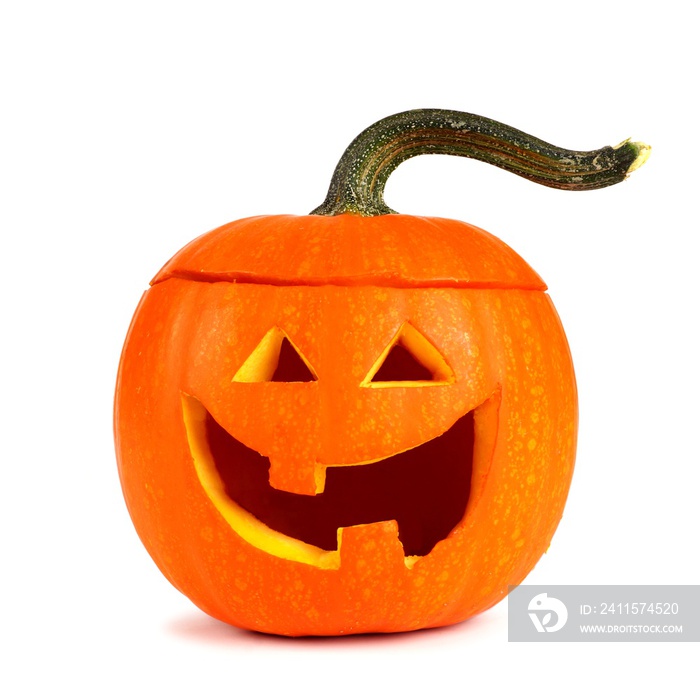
[(355, 421)]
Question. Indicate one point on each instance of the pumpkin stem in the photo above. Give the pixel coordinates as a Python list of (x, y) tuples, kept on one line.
[(359, 179)]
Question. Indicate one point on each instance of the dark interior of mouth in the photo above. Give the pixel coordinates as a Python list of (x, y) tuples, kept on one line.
[(400, 365), (425, 489)]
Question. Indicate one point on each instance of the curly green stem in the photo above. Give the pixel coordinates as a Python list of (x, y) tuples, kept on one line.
[(359, 179)]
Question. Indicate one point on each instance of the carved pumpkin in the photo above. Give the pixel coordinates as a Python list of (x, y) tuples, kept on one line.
[(354, 421)]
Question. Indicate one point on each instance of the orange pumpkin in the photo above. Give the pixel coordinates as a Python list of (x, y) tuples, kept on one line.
[(353, 421)]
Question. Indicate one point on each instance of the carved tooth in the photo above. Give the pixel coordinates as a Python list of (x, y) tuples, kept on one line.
[(300, 477), (374, 545)]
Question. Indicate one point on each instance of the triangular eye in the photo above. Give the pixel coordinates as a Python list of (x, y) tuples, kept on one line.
[(275, 359), (290, 365), (400, 366), (409, 360)]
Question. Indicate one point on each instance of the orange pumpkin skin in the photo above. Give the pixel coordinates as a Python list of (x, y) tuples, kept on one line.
[(341, 288)]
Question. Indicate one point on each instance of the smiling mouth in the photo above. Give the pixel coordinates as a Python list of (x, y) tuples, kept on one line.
[(425, 489)]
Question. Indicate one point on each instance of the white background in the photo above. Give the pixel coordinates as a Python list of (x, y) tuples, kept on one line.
[(128, 128)]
